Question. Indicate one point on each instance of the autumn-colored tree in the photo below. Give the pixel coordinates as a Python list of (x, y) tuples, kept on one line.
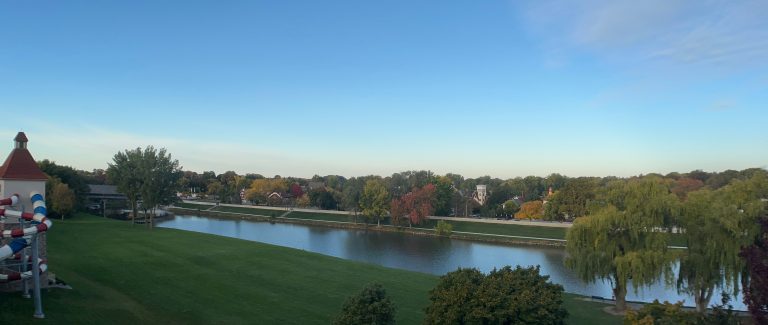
[(417, 205), (296, 190), (303, 201), (531, 210), (261, 188), (397, 211), (685, 185)]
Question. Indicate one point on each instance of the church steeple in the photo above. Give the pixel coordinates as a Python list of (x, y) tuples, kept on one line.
[(21, 141)]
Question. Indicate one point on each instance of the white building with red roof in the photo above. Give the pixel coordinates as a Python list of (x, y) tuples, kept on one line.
[(20, 174)]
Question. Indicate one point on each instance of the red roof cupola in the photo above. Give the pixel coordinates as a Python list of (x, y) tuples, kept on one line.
[(20, 165)]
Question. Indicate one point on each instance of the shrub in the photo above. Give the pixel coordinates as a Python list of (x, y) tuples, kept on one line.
[(443, 228), (370, 306), (505, 296), (657, 313)]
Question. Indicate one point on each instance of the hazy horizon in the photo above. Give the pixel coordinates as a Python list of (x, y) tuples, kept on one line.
[(498, 88)]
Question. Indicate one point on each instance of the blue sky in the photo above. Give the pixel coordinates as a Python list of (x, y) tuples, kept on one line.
[(500, 88)]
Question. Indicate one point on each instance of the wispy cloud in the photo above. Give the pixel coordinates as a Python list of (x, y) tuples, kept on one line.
[(713, 32), (722, 106)]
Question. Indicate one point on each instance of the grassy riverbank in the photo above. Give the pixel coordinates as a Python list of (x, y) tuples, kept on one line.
[(478, 229), (127, 275)]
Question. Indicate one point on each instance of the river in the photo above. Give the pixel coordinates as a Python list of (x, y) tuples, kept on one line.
[(425, 254)]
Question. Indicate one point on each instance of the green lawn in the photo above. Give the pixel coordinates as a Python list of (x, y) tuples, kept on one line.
[(324, 216), (192, 205), (504, 229), (249, 210), (123, 274)]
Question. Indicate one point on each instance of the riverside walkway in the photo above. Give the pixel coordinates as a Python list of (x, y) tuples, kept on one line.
[(552, 224)]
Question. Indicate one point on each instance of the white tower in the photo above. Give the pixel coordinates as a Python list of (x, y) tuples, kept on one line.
[(20, 174), (482, 194)]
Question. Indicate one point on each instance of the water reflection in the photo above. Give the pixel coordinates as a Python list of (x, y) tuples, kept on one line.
[(417, 253)]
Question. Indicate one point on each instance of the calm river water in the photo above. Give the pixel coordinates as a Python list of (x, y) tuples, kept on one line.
[(417, 253)]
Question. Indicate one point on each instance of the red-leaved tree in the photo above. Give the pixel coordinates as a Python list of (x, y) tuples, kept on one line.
[(416, 205), (756, 284), (296, 190)]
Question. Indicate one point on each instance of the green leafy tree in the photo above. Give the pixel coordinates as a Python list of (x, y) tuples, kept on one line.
[(674, 314), (715, 226), (125, 172), (60, 198), (443, 196), (374, 200), (370, 306), (625, 238), (350, 198), (214, 188), (571, 200), (69, 176), (504, 296), (451, 300), (511, 207), (160, 180), (443, 228)]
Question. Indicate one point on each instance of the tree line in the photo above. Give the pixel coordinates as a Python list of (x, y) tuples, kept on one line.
[(625, 236)]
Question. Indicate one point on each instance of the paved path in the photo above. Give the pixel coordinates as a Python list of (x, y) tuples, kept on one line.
[(504, 222), (510, 222), (264, 207)]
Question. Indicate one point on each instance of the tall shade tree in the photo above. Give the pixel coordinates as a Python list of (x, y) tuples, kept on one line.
[(571, 200), (625, 238), (351, 193), (69, 176), (710, 223), (125, 172), (374, 200), (443, 196), (161, 174)]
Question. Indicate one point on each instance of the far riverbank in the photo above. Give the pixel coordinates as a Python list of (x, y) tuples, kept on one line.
[(347, 221)]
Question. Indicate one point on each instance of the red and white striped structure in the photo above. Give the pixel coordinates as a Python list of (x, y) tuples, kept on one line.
[(23, 237)]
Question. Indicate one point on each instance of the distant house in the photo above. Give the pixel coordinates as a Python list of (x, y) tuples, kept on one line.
[(277, 198), (101, 196), (315, 185)]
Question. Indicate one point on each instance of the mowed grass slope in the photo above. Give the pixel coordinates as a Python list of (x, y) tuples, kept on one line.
[(130, 275), (123, 274)]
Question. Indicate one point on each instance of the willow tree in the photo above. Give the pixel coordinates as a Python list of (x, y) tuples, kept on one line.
[(715, 225), (625, 237)]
